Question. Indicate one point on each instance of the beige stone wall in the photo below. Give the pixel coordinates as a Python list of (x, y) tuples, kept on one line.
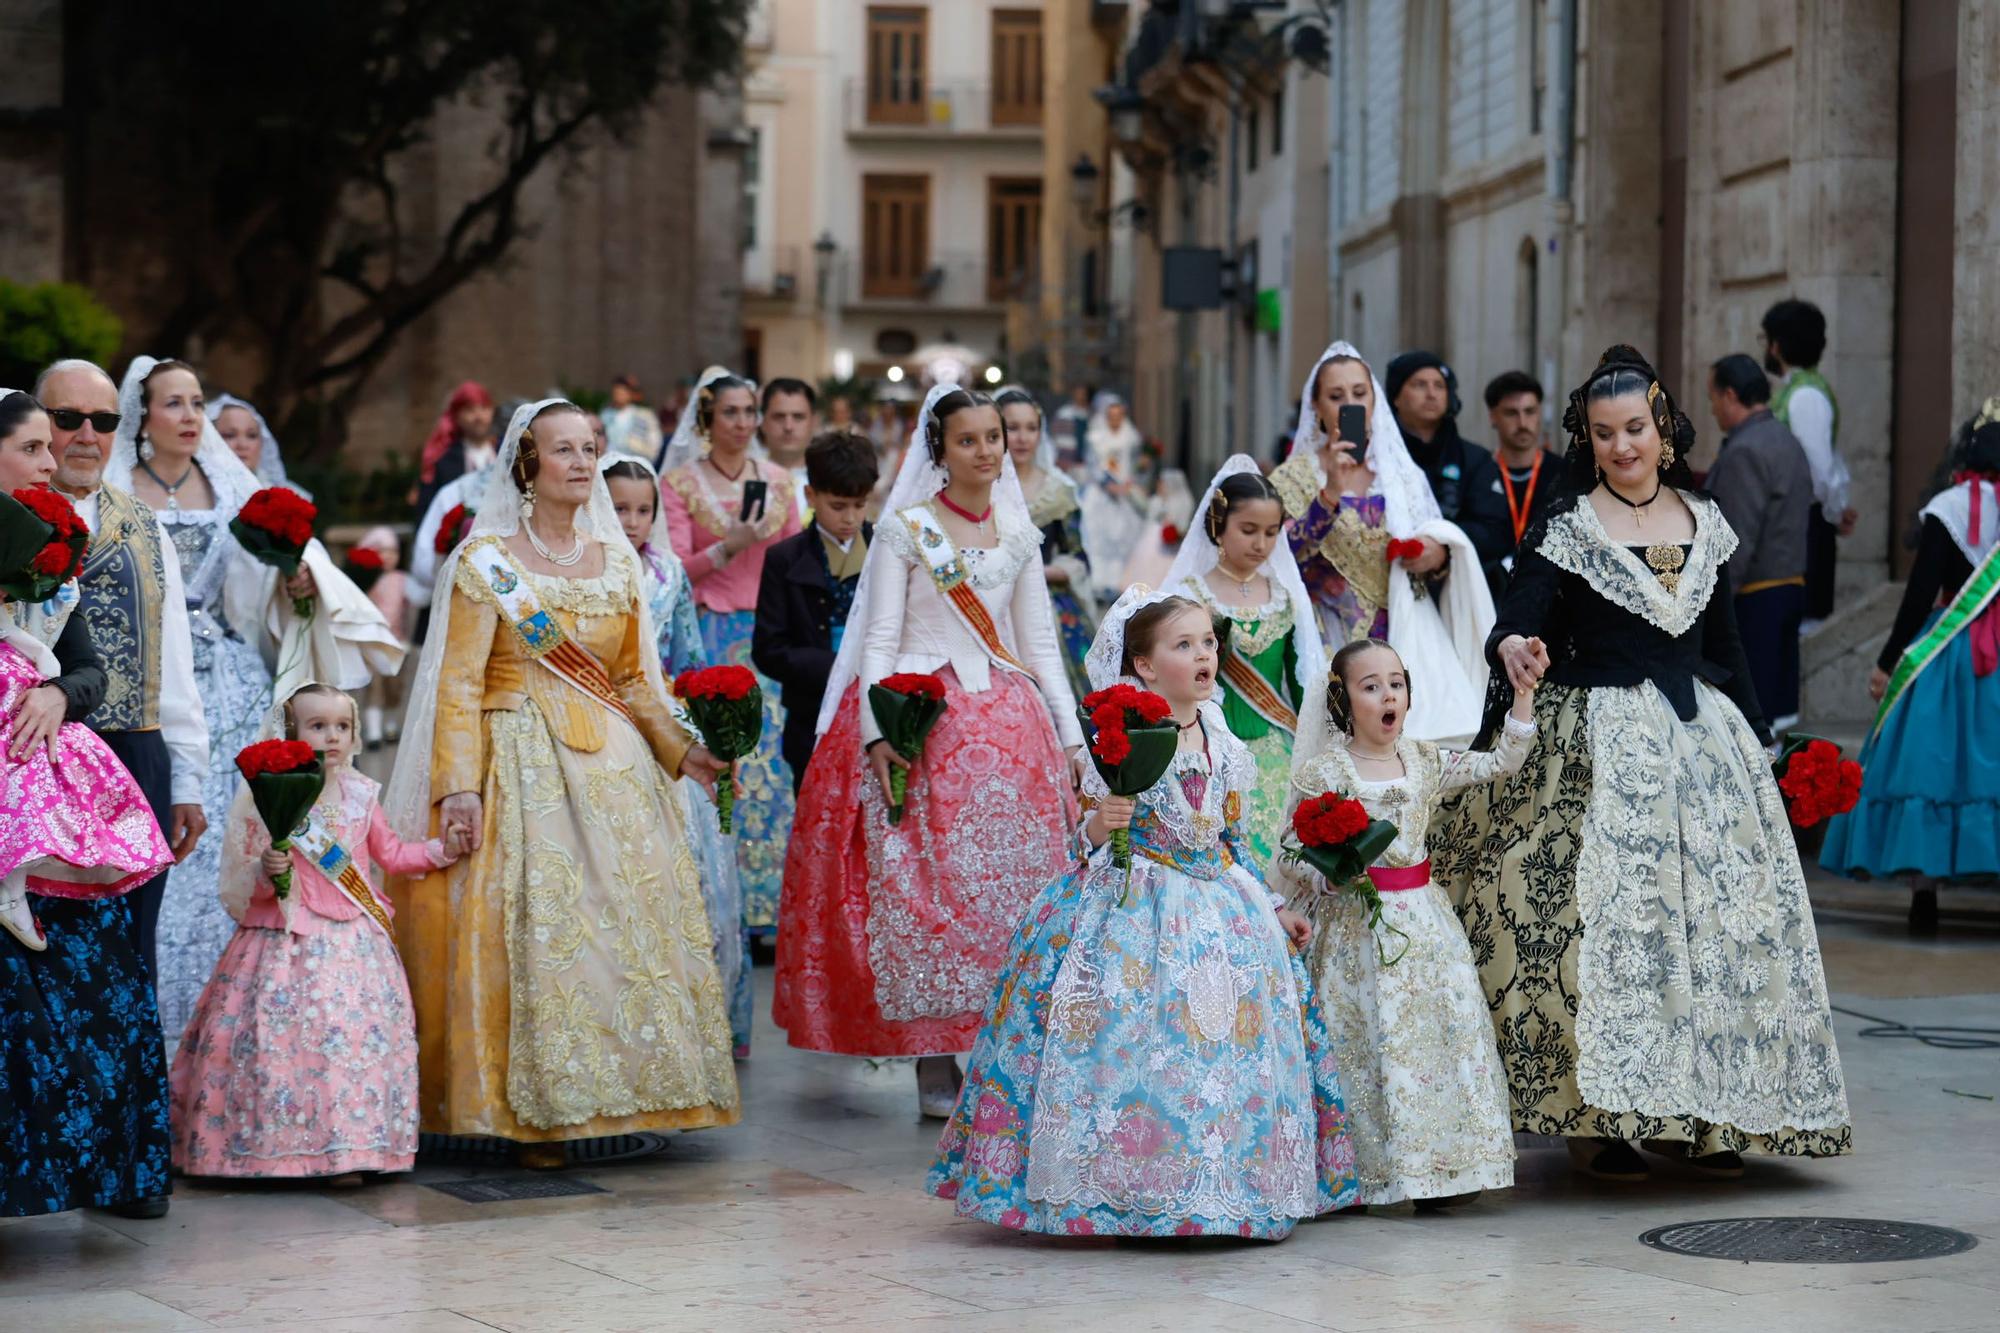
[(616, 275), (1976, 298)]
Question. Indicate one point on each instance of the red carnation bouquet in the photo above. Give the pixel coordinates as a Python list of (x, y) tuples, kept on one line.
[(1340, 839), (728, 710), (1404, 548), (906, 706), (1817, 783), (285, 778), (1170, 535), (42, 544), (452, 528), (274, 526), (365, 566), (1132, 738)]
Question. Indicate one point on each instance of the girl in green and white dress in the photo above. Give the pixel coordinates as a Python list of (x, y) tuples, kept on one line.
[(1235, 560)]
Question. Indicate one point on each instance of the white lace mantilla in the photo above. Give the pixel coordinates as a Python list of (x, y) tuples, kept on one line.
[(1701, 989), (1577, 542)]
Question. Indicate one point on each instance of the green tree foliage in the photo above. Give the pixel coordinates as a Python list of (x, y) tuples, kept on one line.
[(258, 158), (49, 321)]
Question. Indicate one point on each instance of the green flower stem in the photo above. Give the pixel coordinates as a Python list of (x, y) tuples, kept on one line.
[(725, 796), (1121, 855), (281, 883), (899, 790)]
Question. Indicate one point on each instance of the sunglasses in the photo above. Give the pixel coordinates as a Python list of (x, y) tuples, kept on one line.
[(68, 418)]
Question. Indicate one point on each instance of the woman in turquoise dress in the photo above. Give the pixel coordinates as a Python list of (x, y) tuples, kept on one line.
[(1054, 509), (635, 494), (1236, 562), (1152, 1062), (1930, 798)]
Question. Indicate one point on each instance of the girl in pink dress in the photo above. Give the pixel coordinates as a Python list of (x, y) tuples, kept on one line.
[(301, 1056), (75, 824)]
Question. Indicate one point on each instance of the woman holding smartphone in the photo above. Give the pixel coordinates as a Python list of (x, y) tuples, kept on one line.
[(725, 508), (1377, 556)]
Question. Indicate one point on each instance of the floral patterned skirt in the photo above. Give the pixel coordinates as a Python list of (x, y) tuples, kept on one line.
[(301, 1058), (83, 1073), (891, 935), (1269, 810), (1426, 1098), (1640, 923), (1149, 1067), (1076, 627), (563, 975), (76, 822), (762, 819)]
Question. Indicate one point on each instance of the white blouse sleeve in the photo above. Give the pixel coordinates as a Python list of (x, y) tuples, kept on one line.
[(1468, 768), (888, 598), (1041, 651)]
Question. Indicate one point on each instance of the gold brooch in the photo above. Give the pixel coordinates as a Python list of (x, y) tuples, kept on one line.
[(1666, 561)]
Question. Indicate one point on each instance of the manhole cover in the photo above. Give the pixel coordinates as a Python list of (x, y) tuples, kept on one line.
[(510, 1189), (1808, 1240), (502, 1152)]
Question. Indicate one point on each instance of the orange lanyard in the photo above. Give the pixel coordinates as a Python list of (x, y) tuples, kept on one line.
[(1520, 512)]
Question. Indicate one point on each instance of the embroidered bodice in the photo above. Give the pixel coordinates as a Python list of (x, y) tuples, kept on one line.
[(1429, 773), (349, 808), (1613, 614), (1253, 630), (488, 667), (670, 600), (1189, 818), (915, 626)]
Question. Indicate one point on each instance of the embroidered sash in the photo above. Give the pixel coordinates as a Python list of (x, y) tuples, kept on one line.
[(1254, 690), (1973, 600), (323, 850), (952, 580), (537, 629), (123, 584)]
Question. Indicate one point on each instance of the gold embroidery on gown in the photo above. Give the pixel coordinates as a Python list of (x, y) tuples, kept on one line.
[(563, 975)]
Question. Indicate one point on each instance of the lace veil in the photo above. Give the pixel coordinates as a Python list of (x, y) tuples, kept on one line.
[(918, 480), (408, 800), (686, 444), (227, 477), (1198, 555), (1406, 491), (271, 462)]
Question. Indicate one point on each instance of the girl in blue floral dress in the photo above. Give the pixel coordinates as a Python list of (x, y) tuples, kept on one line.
[(1152, 1063)]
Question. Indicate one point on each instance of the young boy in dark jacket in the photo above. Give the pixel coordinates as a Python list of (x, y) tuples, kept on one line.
[(808, 585)]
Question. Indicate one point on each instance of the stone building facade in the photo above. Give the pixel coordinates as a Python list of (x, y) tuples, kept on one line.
[(1516, 184)]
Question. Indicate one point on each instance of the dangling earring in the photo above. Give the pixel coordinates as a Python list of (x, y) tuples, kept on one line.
[(1666, 454), (528, 501), (145, 450)]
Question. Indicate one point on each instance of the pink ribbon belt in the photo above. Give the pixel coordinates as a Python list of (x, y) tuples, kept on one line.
[(1396, 879)]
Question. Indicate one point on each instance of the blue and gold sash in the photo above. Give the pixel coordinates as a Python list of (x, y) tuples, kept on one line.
[(538, 631), (951, 578), (320, 847)]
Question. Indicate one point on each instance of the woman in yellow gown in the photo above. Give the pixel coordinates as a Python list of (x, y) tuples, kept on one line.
[(563, 976)]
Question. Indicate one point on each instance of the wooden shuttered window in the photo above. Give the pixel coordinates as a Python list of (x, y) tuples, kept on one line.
[(1017, 67), (895, 234), (898, 50)]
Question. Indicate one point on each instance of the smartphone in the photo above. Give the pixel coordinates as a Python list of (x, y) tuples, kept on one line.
[(1354, 423), (754, 491)]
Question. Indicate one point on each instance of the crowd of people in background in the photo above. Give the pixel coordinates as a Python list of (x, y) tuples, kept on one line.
[(1555, 670)]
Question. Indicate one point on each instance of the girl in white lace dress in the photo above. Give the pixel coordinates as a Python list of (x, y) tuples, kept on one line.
[(1426, 1095)]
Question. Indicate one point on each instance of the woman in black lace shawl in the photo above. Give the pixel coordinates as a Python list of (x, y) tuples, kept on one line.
[(1633, 896)]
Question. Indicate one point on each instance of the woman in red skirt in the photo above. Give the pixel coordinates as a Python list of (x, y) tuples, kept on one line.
[(890, 935)]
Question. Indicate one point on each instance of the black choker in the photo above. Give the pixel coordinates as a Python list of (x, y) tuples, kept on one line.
[(1612, 491)]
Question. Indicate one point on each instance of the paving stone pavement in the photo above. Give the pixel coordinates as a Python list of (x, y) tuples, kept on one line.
[(810, 1215)]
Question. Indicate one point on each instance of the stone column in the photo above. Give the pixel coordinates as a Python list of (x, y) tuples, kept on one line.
[(1976, 300)]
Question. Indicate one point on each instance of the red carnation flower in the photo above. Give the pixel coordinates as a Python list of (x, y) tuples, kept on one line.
[(717, 682), (1170, 534), (274, 756), (450, 530), (910, 682), (365, 557)]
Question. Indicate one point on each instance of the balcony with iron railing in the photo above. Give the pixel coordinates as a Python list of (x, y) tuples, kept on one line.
[(958, 282), (886, 106)]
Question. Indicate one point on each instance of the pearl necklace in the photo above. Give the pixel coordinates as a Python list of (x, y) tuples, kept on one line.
[(559, 561), (171, 488), (1377, 758)]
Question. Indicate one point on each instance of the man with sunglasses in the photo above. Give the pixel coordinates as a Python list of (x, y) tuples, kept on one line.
[(151, 716)]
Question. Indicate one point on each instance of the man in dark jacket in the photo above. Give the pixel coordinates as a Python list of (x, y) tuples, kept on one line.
[(1528, 477), (1764, 485), (808, 586), (1424, 395)]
